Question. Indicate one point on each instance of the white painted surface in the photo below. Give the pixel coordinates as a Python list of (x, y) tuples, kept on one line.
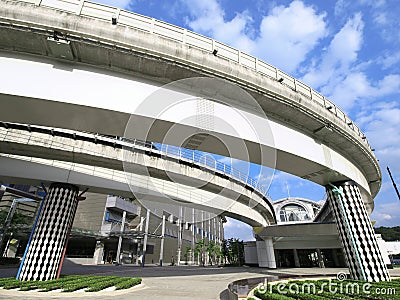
[(85, 86), (265, 254), (383, 247)]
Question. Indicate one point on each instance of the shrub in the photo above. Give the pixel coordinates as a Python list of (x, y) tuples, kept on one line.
[(128, 283)]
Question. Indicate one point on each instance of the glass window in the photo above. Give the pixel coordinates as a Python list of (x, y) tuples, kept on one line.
[(292, 213)]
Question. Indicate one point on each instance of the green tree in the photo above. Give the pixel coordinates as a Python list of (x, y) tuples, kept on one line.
[(389, 233), (186, 255), (17, 219), (210, 251), (225, 251), (200, 250), (233, 251)]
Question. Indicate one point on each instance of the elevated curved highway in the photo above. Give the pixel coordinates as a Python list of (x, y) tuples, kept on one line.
[(37, 154), (102, 58)]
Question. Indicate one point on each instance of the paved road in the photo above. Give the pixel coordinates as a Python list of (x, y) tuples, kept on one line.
[(164, 283)]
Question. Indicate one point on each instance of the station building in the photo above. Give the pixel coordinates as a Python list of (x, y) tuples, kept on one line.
[(98, 237), (305, 235)]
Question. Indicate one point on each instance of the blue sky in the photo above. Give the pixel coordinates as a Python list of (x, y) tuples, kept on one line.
[(347, 50)]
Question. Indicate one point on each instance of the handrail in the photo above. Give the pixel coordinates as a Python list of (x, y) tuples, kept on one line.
[(130, 19), (204, 160)]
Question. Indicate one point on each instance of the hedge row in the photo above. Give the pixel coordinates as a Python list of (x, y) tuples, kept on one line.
[(72, 283)]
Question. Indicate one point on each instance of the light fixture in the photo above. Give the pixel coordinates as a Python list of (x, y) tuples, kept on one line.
[(329, 107), (364, 138), (350, 123), (59, 46), (55, 35), (319, 129), (215, 51), (280, 80), (326, 126), (114, 20)]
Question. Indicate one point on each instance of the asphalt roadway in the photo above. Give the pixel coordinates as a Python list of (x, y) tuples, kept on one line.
[(183, 282)]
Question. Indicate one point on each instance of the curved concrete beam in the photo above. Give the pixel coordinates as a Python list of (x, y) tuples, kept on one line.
[(35, 171)]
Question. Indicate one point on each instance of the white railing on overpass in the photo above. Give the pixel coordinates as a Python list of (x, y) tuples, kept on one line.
[(204, 160), (160, 28)]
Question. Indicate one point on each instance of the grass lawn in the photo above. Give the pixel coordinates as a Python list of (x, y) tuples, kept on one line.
[(72, 283)]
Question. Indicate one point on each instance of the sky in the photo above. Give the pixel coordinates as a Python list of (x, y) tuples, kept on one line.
[(347, 50)]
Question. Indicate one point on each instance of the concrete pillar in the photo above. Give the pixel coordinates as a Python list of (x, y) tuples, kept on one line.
[(193, 235), (219, 230), (266, 254), (146, 233), (215, 229), (222, 230), (2, 191), (296, 258), (335, 258), (98, 257), (45, 251), (356, 233), (202, 225), (162, 240), (12, 247), (209, 226), (120, 239), (179, 251), (139, 245), (320, 259)]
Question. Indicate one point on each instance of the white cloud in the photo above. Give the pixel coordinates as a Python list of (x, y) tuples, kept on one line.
[(285, 38), (387, 214), (115, 3), (208, 18), (356, 87), (340, 7), (381, 127), (340, 75), (341, 53), (238, 229), (288, 34)]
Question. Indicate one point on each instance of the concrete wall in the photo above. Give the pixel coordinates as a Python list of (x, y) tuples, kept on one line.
[(90, 212), (250, 253)]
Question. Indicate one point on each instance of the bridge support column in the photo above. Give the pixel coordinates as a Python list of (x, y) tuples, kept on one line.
[(266, 254), (45, 251), (356, 233), (296, 258), (98, 257)]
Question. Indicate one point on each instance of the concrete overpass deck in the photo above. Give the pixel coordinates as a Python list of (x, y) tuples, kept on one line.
[(108, 165)]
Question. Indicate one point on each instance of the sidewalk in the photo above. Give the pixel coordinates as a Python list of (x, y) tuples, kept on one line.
[(167, 283)]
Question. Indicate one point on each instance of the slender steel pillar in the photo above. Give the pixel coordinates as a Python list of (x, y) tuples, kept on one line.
[(296, 258), (162, 240), (120, 239), (179, 251), (146, 234), (356, 233), (44, 254), (194, 227), (139, 245)]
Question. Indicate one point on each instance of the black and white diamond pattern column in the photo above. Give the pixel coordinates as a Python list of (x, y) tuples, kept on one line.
[(357, 235), (44, 254)]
